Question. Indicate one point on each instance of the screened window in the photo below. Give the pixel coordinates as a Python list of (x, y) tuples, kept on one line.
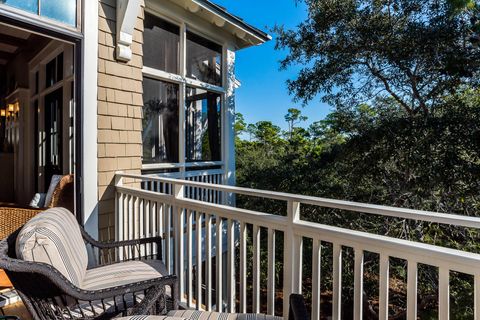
[(160, 121), (204, 60), (161, 43), (202, 128)]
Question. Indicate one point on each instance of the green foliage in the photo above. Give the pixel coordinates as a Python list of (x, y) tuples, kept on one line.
[(379, 154), (355, 51)]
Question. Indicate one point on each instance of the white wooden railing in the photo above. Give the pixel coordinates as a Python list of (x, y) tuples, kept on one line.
[(219, 233)]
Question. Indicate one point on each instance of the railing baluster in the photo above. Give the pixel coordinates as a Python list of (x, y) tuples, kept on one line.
[(219, 261), (199, 256), (189, 259), (316, 276), (358, 285), (243, 267), (477, 296), (271, 272), (412, 290), (168, 238), (256, 269), (443, 293), (337, 281), (208, 262), (384, 286), (231, 266)]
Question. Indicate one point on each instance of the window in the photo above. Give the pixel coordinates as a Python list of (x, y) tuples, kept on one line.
[(161, 43), (202, 128), (170, 96), (204, 60), (64, 11), (160, 121), (54, 71)]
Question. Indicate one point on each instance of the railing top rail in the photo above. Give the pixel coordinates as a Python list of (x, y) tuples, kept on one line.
[(396, 212)]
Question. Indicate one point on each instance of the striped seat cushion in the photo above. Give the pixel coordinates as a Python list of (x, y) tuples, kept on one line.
[(54, 237), (150, 318), (122, 273), (204, 315)]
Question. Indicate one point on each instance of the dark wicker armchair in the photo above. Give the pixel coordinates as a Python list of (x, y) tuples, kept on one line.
[(49, 294)]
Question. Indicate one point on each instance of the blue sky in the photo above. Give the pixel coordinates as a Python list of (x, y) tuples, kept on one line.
[(264, 95)]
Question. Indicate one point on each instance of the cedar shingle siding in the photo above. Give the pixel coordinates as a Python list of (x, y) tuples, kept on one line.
[(119, 113)]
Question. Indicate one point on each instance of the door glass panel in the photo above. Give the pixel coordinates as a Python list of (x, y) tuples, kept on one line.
[(160, 121), (204, 60), (64, 11), (54, 71), (203, 124), (53, 131), (161, 41), (27, 5)]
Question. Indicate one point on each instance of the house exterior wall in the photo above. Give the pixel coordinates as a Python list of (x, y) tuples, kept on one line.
[(119, 113)]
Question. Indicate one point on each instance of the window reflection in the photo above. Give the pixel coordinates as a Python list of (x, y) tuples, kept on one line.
[(202, 127), (64, 11), (161, 41), (160, 121), (204, 60), (27, 5)]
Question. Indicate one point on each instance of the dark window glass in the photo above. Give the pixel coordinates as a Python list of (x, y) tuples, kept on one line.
[(204, 60), (36, 82), (161, 41), (160, 121), (203, 125), (54, 71), (64, 11), (27, 5)]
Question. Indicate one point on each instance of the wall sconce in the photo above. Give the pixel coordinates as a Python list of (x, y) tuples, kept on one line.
[(11, 107), (17, 106), (3, 113)]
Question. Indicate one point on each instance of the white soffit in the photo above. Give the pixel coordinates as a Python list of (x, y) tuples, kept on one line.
[(218, 16)]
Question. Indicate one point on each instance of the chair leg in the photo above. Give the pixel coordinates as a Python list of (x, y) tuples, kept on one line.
[(298, 310)]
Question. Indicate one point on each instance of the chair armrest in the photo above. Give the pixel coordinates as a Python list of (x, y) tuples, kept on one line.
[(117, 244), (107, 253)]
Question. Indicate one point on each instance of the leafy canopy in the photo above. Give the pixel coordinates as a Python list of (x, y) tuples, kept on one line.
[(411, 52)]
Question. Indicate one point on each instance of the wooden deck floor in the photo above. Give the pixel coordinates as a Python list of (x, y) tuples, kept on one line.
[(17, 309)]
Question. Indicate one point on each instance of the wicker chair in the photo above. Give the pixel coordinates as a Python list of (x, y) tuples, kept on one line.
[(49, 294)]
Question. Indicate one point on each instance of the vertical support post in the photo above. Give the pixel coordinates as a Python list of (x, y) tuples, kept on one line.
[(182, 97), (119, 212), (443, 293), (178, 193), (412, 290), (358, 286), (290, 274), (384, 286), (228, 120)]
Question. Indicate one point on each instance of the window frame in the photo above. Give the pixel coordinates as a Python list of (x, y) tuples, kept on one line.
[(183, 82)]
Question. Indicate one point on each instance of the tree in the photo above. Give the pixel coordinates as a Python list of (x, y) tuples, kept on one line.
[(413, 52), (293, 117)]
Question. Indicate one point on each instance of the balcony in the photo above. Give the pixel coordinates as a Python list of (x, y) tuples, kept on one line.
[(227, 258)]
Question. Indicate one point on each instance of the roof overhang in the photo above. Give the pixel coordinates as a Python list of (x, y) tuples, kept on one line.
[(247, 34)]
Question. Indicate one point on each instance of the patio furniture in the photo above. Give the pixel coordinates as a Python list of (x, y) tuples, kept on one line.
[(13, 216), (47, 263), (297, 311)]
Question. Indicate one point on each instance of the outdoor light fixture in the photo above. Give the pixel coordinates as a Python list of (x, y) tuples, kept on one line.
[(17, 106), (3, 113), (11, 107)]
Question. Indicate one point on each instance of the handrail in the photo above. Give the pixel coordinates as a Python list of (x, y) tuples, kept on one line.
[(396, 212)]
